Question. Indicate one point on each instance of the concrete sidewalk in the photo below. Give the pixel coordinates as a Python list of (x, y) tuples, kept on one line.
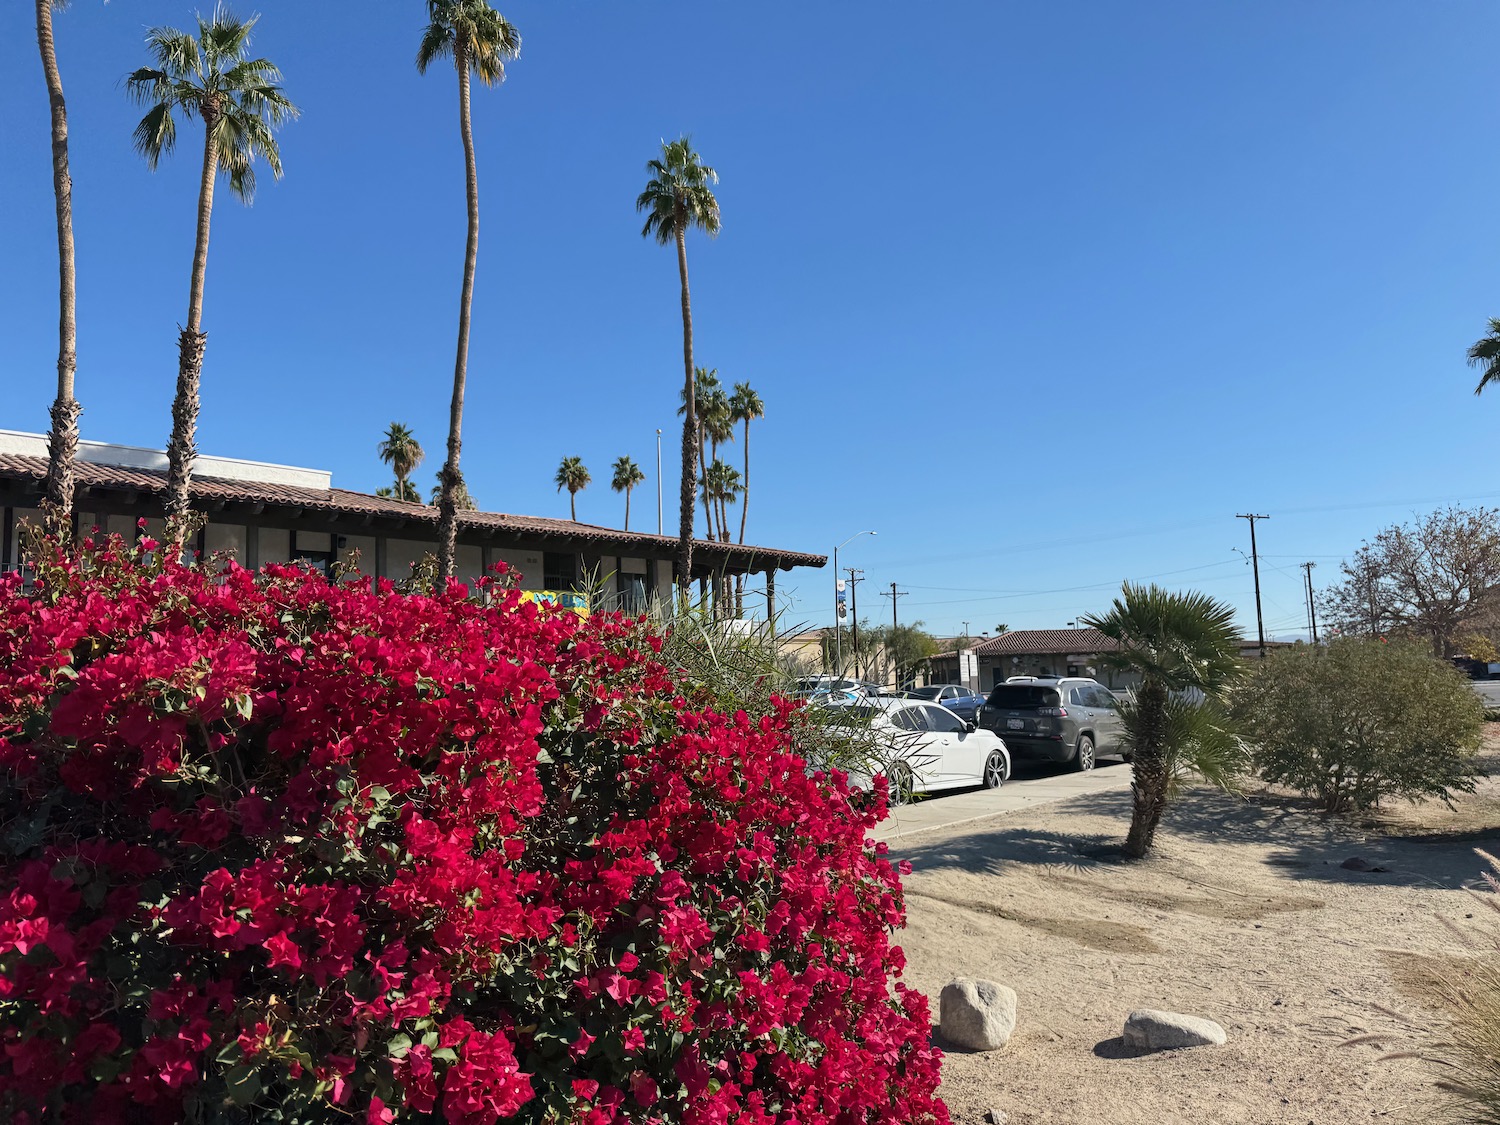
[(948, 810)]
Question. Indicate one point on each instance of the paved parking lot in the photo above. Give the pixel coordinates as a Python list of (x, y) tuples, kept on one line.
[(1489, 691), (1031, 786)]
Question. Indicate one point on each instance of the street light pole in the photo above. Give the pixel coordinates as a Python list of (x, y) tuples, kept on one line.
[(658, 480), (838, 637)]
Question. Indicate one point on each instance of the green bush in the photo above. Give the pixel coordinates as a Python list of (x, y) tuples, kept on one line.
[(1356, 721)]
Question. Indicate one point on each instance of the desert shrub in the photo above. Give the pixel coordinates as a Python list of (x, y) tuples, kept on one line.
[(1357, 721), (274, 848)]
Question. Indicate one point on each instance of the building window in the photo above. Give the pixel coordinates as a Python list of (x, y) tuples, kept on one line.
[(632, 589), (559, 571)]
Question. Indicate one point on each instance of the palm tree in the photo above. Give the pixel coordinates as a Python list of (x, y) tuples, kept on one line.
[(1485, 354), (705, 385), (241, 105), (1182, 646), (718, 428), (627, 475), (480, 41), (744, 406), (401, 490), (575, 478), (62, 441), (400, 450), (462, 500), (721, 486), (678, 197)]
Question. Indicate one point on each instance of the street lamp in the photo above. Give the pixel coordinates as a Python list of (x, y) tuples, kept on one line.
[(838, 638), (658, 480)]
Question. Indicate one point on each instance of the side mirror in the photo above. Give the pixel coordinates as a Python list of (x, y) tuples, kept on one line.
[(971, 725)]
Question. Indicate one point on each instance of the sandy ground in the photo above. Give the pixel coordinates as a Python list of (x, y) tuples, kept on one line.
[(1245, 916)]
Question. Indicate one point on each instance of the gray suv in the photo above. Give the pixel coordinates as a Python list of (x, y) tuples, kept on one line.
[(1054, 720)]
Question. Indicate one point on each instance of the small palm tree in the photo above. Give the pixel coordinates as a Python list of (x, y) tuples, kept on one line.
[(744, 406), (575, 478), (240, 104), (705, 385), (400, 450), (1183, 646), (401, 490), (718, 427), (721, 487), (62, 440), (462, 501), (480, 42), (678, 197), (627, 475), (1485, 354)]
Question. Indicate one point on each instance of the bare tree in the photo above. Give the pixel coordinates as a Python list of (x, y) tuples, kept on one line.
[(1432, 578)]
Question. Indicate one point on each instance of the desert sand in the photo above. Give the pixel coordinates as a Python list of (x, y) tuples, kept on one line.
[(1245, 915)]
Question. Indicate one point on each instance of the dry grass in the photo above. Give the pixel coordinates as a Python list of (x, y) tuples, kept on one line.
[(1467, 991)]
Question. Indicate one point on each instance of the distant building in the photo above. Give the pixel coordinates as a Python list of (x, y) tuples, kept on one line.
[(260, 513), (1048, 652)]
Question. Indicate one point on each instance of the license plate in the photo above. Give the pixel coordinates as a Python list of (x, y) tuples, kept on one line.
[(1016, 724)]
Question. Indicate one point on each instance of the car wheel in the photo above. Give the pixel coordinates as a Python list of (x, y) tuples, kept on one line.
[(996, 770), (1083, 757), (900, 779)]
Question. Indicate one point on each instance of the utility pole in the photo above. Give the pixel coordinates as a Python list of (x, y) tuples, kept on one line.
[(856, 576), (1260, 624), (895, 595), (1312, 605)]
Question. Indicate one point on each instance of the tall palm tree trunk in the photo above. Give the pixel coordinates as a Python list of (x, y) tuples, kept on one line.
[(450, 478), (1149, 770), (62, 442), (708, 510), (745, 493), (627, 509), (573, 505), (191, 342), (739, 580), (688, 500)]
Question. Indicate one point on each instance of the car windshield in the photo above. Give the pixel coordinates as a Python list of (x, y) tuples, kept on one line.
[(1024, 695), (925, 692)]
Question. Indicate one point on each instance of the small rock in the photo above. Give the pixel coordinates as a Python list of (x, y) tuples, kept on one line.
[(1356, 863), (977, 1014), (996, 1116), (1150, 1030)]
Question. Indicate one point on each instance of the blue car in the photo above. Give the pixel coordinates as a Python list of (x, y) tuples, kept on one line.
[(955, 697)]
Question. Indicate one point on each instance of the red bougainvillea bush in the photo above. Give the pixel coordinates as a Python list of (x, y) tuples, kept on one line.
[(274, 848)]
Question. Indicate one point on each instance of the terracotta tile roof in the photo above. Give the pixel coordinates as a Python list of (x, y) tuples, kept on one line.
[(1045, 642), (339, 501)]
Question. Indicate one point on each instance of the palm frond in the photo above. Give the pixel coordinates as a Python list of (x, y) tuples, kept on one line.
[(1197, 739), (156, 134), (1485, 354), (1183, 640), (437, 43)]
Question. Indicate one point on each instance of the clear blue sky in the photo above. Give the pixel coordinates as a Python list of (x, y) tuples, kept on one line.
[(1043, 293)]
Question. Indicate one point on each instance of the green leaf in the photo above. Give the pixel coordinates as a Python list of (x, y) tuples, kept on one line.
[(398, 1045), (244, 1084)]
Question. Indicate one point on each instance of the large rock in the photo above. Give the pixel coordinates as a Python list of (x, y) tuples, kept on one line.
[(977, 1014), (1149, 1030)]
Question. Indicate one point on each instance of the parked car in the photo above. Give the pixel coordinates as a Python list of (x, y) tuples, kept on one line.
[(929, 748), (963, 702), (1050, 719)]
